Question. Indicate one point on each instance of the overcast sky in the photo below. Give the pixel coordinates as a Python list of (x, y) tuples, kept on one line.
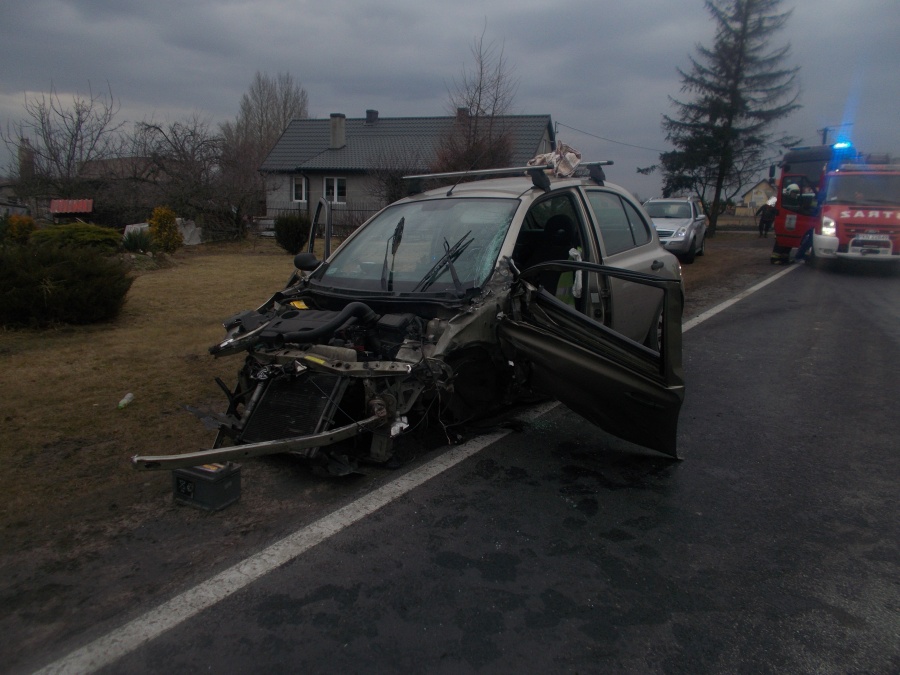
[(603, 69)]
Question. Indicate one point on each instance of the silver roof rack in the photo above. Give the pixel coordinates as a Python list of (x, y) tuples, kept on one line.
[(538, 177)]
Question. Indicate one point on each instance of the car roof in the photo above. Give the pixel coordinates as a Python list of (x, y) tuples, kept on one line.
[(674, 199)]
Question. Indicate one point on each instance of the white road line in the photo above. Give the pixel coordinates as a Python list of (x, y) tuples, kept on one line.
[(140, 631), (708, 314)]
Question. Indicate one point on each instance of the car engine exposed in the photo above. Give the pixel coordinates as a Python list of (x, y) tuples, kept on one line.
[(311, 370)]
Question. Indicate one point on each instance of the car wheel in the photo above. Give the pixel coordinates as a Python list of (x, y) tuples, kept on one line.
[(818, 263), (654, 335), (702, 249), (688, 257), (813, 261)]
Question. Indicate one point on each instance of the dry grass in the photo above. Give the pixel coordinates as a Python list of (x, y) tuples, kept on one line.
[(63, 442)]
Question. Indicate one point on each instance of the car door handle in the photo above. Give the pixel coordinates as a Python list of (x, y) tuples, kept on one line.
[(657, 265)]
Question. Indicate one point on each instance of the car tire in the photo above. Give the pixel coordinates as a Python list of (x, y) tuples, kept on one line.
[(828, 264), (688, 257), (702, 249), (655, 333)]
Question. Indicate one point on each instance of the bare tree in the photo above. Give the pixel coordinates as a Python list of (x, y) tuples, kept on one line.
[(479, 100), (56, 139), (185, 157), (266, 109), (385, 183)]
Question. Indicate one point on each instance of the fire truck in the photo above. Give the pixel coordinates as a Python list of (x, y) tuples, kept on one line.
[(847, 203), (860, 213), (802, 180)]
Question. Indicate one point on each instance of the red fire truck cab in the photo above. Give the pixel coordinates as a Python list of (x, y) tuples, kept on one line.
[(860, 213), (850, 208)]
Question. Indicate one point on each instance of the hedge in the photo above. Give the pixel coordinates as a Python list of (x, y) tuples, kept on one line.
[(42, 285)]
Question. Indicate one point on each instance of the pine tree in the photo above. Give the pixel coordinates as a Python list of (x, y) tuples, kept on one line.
[(740, 87)]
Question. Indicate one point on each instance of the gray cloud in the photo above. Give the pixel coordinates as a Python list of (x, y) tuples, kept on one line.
[(601, 67)]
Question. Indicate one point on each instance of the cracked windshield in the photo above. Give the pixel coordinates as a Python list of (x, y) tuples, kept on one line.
[(432, 246)]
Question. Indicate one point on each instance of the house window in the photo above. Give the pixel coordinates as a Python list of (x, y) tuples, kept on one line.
[(298, 189), (336, 190)]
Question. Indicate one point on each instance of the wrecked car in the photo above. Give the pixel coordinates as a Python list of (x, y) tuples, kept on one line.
[(453, 303)]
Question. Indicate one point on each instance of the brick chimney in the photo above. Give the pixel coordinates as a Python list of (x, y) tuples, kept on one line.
[(338, 131), (462, 114), (371, 116)]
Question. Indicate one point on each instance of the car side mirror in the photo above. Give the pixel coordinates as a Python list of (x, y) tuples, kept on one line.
[(306, 261)]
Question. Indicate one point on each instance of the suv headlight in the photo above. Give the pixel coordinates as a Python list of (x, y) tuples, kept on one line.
[(829, 227), (679, 233)]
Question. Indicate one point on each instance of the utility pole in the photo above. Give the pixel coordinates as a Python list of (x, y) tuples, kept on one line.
[(824, 131)]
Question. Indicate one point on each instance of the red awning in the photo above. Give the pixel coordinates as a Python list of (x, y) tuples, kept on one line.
[(71, 206)]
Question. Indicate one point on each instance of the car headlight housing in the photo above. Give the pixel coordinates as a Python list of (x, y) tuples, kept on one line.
[(829, 227), (679, 233)]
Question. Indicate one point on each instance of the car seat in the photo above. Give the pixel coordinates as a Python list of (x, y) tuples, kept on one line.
[(558, 239)]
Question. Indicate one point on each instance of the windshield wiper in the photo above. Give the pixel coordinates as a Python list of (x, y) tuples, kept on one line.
[(393, 243), (451, 253)]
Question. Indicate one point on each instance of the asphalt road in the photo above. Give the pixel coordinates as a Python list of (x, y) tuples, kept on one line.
[(771, 547)]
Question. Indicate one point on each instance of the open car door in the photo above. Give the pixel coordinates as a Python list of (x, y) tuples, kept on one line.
[(630, 390)]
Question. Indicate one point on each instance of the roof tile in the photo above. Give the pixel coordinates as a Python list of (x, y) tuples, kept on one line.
[(411, 142)]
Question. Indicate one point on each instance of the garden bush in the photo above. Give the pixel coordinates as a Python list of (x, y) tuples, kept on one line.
[(164, 230), (78, 235), (137, 241), (18, 228), (292, 232), (42, 285)]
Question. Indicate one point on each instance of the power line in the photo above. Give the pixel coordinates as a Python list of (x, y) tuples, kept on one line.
[(608, 140)]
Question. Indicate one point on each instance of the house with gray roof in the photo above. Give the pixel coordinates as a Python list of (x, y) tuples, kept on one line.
[(345, 160)]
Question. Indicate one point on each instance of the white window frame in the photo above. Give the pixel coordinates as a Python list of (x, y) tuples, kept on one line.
[(301, 181), (333, 181)]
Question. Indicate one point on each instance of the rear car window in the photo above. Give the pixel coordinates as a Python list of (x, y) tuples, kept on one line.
[(620, 224)]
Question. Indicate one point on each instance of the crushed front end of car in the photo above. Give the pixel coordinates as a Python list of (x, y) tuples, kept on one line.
[(340, 384)]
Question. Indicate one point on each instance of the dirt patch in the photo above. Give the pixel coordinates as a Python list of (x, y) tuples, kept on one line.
[(90, 541), (734, 261)]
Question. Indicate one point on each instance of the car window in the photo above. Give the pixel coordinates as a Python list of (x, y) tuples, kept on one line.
[(407, 247), (668, 209), (799, 194), (553, 231), (613, 222), (639, 229)]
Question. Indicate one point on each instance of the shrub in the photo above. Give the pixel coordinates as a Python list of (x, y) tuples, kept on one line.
[(138, 241), (44, 285), (292, 232), (78, 235), (19, 228), (164, 230)]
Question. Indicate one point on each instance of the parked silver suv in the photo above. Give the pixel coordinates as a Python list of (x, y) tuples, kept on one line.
[(680, 223)]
